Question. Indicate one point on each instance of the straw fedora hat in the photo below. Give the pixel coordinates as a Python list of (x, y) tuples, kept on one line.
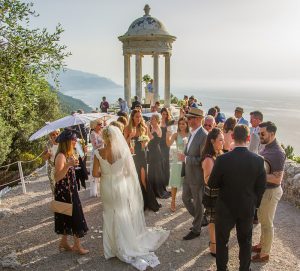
[(195, 112)]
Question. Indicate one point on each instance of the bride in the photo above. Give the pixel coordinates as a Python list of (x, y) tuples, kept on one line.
[(124, 230)]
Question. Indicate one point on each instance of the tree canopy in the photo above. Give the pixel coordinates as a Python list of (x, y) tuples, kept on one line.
[(27, 57)]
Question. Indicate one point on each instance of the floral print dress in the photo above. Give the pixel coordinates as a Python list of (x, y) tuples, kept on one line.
[(75, 224)]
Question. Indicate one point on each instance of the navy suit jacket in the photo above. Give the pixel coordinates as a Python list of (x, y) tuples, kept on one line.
[(241, 178)]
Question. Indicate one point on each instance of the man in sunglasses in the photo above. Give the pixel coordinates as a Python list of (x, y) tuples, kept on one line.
[(209, 123), (275, 156)]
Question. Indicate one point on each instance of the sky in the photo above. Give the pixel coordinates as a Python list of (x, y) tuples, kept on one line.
[(232, 43)]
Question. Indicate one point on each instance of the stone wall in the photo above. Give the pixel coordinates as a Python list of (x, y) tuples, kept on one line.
[(291, 183)]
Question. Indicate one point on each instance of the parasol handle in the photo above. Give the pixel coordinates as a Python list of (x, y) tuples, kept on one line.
[(80, 132)]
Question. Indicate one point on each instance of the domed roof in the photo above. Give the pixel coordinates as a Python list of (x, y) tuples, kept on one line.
[(146, 25)]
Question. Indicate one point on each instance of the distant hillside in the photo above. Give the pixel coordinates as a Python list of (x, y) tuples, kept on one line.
[(69, 104), (75, 80)]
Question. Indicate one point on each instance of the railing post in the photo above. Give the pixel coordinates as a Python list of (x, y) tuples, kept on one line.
[(22, 177)]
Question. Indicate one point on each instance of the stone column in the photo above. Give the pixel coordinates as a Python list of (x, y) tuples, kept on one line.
[(155, 77), (138, 76), (127, 79), (167, 96)]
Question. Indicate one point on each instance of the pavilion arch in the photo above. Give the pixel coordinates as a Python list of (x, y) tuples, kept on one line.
[(147, 36)]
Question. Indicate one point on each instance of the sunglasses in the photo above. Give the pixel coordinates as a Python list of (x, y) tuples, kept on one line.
[(190, 118)]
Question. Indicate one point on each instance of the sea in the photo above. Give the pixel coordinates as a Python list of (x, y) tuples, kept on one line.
[(281, 107)]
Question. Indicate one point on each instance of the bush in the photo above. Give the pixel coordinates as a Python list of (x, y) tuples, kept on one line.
[(6, 134), (297, 159), (174, 99), (289, 152), (31, 166)]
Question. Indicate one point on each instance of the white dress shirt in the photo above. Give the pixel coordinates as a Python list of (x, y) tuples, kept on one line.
[(193, 133)]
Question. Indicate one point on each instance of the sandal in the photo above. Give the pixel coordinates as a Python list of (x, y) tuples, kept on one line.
[(173, 207), (212, 253)]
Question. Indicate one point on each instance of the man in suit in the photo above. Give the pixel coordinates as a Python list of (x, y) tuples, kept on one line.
[(238, 113), (193, 183), (241, 179)]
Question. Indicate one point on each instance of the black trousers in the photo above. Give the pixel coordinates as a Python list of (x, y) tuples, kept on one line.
[(225, 222)]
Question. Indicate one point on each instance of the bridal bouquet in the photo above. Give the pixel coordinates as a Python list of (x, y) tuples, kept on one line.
[(143, 138)]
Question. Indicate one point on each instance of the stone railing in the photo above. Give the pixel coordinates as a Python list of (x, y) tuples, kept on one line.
[(291, 183)]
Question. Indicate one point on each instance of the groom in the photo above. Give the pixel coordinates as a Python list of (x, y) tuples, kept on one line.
[(193, 182)]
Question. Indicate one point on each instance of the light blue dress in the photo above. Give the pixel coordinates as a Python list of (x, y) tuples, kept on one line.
[(175, 176)]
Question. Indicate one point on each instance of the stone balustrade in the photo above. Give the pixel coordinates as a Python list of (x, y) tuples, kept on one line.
[(291, 183)]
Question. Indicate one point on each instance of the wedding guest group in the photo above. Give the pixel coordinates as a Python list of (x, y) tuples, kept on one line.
[(140, 164)]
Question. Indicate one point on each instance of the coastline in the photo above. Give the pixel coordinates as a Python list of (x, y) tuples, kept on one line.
[(280, 107)]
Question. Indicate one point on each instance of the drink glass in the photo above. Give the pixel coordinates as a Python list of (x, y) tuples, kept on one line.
[(76, 157)]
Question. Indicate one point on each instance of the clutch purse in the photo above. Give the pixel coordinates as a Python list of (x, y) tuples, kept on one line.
[(61, 207)]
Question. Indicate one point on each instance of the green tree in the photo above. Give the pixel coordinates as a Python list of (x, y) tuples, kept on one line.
[(5, 140), (27, 57)]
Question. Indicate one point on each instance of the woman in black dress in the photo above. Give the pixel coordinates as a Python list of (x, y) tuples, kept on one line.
[(165, 149), (134, 133), (155, 170), (213, 147), (66, 191)]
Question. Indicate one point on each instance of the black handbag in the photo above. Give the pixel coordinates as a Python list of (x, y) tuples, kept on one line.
[(210, 197)]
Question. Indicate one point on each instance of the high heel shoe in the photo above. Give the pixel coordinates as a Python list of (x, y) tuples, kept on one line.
[(212, 253)]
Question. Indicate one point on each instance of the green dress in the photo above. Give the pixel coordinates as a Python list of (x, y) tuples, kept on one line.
[(175, 176)]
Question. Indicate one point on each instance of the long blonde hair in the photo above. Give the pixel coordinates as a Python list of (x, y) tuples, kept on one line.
[(141, 127), (94, 123)]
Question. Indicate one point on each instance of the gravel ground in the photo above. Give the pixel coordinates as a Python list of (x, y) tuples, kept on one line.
[(28, 232)]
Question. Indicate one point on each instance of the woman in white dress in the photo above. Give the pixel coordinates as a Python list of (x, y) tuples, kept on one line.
[(124, 230), (97, 142)]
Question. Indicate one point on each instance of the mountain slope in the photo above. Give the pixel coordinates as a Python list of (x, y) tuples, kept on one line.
[(75, 80), (69, 104)]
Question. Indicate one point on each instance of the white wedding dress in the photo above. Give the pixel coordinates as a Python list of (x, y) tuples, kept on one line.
[(124, 231)]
